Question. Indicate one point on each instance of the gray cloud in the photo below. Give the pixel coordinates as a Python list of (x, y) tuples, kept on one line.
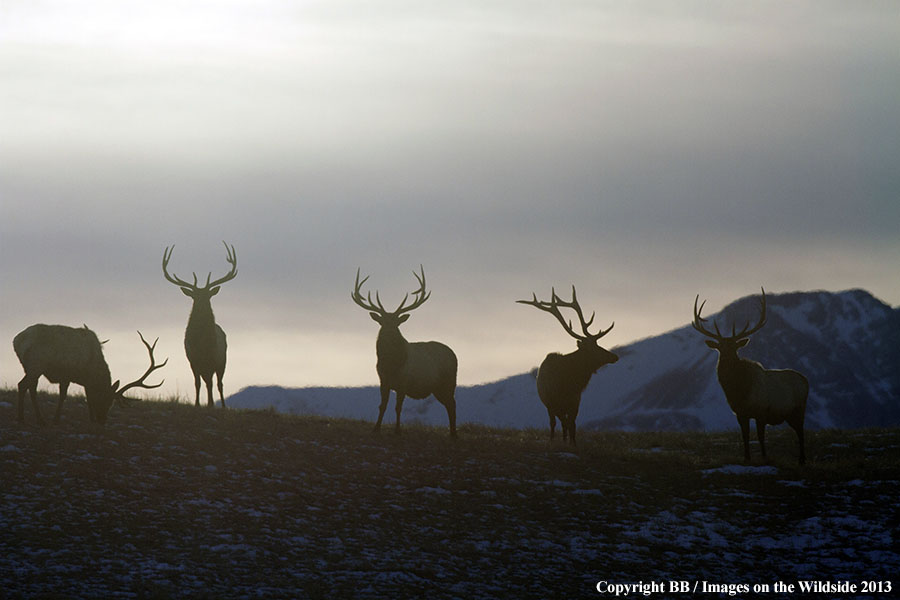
[(644, 152)]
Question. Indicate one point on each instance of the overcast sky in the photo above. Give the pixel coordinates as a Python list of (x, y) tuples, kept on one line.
[(643, 151)]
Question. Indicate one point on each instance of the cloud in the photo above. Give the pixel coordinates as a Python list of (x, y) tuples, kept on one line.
[(644, 152)]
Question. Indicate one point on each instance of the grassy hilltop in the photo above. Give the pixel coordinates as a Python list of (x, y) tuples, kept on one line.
[(169, 500)]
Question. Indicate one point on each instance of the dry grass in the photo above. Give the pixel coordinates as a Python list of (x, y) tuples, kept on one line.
[(169, 500)]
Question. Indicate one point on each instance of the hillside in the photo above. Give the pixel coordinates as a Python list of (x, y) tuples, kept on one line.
[(173, 501), (847, 344)]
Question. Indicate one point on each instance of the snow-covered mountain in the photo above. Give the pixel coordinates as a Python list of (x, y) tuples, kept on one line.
[(847, 344)]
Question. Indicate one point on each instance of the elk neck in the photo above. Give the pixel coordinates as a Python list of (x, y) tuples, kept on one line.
[(202, 322), (96, 376), (581, 368), (734, 373), (590, 358), (391, 348)]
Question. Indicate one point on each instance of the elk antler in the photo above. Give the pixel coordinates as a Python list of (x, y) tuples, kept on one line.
[(747, 331), (167, 255), (356, 296), (421, 295), (553, 307), (153, 367), (231, 257)]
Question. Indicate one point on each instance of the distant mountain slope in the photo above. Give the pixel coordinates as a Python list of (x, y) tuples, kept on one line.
[(847, 344)]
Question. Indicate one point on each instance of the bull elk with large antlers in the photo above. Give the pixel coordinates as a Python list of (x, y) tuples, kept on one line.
[(562, 378), (414, 369), (67, 355), (204, 341), (768, 396)]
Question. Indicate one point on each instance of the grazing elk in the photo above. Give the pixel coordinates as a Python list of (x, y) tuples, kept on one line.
[(204, 341), (414, 369), (562, 378), (67, 355), (768, 396)]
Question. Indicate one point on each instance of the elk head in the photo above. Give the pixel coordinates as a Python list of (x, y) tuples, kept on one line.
[(193, 290), (587, 341), (728, 345), (382, 316)]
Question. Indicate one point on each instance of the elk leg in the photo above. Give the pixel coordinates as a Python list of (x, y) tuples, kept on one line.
[(398, 408), (219, 385), (37, 407), (797, 426), (761, 436), (571, 420), (385, 396), (25, 386), (196, 389), (552, 424), (572, 416), (745, 433), (449, 403), (210, 403), (63, 389)]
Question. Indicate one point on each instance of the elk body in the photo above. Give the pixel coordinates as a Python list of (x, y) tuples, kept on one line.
[(414, 369), (562, 378), (67, 355), (204, 341), (769, 397)]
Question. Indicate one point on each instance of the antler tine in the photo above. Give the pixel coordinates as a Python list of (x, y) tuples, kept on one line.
[(153, 367), (367, 302), (699, 321), (747, 331), (585, 324), (357, 297), (605, 331), (167, 256), (552, 307), (378, 300), (231, 258), (421, 295)]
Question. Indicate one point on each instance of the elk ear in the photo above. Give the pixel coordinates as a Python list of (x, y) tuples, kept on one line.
[(403, 318), (115, 386), (375, 317), (214, 291), (712, 344), (187, 292), (743, 342)]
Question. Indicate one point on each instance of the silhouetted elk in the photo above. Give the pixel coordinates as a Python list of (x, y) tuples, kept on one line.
[(67, 355), (417, 369), (562, 378), (204, 341), (770, 397)]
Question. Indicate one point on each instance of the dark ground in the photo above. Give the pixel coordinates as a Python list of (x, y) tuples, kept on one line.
[(172, 501)]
